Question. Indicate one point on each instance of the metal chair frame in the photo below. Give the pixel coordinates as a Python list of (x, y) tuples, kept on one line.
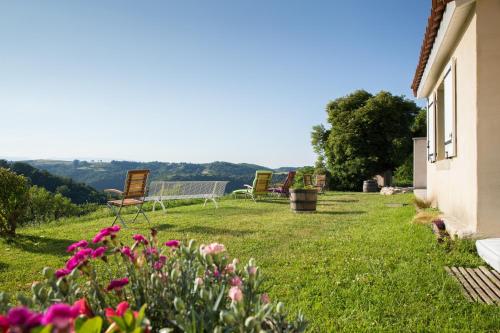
[(130, 192)]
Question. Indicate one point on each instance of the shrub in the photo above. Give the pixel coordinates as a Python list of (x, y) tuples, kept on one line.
[(403, 175), (186, 288), (13, 201), (45, 206)]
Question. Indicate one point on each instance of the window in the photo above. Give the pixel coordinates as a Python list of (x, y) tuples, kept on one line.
[(449, 111), (441, 117), (431, 129)]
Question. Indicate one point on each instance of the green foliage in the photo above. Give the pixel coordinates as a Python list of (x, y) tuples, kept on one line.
[(354, 266), (101, 175), (369, 134), (45, 206), (299, 176), (403, 175), (187, 288), (14, 199), (78, 193), (419, 126)]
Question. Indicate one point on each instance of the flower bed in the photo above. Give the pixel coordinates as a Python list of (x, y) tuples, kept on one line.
[(177, 286)]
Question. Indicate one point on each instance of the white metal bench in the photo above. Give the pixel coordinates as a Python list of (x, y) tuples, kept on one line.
[(160, 191)]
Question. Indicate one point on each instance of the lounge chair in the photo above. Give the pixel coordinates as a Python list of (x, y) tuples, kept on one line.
[(133, 195), (307, 178), (320, 183), (283, 189), (259, 187)]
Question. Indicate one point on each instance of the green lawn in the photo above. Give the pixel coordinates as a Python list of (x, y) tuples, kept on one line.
[(354, 265)]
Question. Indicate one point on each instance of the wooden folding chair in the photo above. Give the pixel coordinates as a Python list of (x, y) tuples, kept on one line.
[(133, 195), (320, 183), (259, 187), (307, 178)]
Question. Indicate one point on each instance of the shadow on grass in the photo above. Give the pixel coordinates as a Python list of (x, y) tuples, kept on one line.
[(351, 212), (215, 231), (3, 266), (37, 244), (163, 226)]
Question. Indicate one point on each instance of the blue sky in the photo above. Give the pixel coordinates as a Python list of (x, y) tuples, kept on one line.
[(193, 81)]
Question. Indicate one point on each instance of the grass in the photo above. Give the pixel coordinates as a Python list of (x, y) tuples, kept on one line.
[(355, 265)]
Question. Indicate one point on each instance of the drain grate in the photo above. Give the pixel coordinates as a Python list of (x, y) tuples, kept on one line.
[(478, 284)]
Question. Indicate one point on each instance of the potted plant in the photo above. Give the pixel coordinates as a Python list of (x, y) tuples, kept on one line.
[(303, 199)]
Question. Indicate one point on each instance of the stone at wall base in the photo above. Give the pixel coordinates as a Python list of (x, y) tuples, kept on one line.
[(390, 190)]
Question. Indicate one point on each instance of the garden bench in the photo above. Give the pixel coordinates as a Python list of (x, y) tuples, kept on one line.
[(160, 191)]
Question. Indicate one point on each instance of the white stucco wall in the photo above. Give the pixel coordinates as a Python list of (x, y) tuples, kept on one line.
[(452, 183), (488, 119)]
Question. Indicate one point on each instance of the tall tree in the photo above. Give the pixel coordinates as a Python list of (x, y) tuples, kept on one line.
[(368, 134)]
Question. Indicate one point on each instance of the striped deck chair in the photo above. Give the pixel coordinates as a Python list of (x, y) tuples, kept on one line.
[(133, 195), (259, 187), (283, 190), (320, 183), (307, 180)]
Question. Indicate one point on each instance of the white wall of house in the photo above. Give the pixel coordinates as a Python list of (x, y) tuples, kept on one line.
[(452, 183), (488, 118)]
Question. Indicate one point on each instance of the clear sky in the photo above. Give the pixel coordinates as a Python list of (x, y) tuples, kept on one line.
[(193, 81)]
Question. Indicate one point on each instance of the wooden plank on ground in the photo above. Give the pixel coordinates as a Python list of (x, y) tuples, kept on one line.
[(496, 274), (492, 282), (474, 285), (473, 294), (476, 275), (462, 287)]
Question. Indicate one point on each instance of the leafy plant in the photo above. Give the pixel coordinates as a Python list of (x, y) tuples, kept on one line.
[(186, 288), (14, 199)]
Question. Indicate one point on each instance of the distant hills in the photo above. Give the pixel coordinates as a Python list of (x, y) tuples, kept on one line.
[(77, 192), (101, 175)]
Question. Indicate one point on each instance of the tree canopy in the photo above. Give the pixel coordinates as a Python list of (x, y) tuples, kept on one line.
[(368, 134)]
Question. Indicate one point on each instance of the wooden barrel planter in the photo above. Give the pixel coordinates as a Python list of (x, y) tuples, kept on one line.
[(303, 200), (370, 186)]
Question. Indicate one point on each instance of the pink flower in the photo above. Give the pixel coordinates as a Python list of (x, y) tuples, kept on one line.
[(252, 270), (60, 315), (82, 307), (198, 281), (160, 263), (4, 324), (80, 244), (121, 308), (101, 235), (99, 252), (235, 294), (62, 272), (213, 248), (117, 284), (151, 251), (173, 243), (140, 239), (128, 252), (23, 317), (265, 298), (236, 281), (78, 258), (230, 268)]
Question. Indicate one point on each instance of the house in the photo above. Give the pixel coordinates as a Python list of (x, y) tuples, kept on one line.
[(458, 73)]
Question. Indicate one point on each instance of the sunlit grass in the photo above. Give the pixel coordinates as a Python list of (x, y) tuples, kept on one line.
[(355, 265)]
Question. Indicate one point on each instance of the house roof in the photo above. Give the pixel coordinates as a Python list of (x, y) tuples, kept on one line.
[(433, 23)]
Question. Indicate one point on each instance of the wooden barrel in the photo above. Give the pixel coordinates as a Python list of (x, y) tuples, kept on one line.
[(370, 186), (302, 200)]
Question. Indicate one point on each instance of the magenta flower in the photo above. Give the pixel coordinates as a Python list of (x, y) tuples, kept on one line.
[(4, 323), (117, 284), (62, 272), (160, 263), (173, 243), (151, 251), (99, 252), (128, 252), (140, 239), (60, 315), (78, 258), (101, 235), (236, 281), (23, 317), (80, 244), (265, 298)]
